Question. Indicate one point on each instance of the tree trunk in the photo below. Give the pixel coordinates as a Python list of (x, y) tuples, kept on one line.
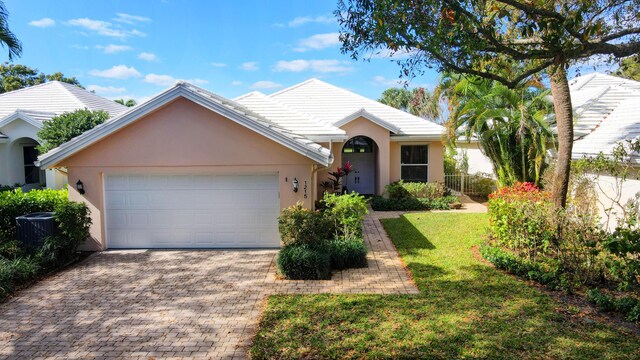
[(564, 123)]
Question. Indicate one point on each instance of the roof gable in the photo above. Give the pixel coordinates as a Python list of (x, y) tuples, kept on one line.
[(332, 104), (218, 104), (369, 116)]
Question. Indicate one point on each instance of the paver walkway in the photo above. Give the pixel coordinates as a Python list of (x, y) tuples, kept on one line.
[(165, 304)]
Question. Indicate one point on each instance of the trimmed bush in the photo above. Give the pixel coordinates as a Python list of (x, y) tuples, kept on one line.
[(15, 203), (626, 305), (417, 190), (379, 203), (346, 253), (303, 262), (300, 226)]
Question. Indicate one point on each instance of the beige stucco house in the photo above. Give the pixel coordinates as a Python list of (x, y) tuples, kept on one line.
[(22, 113), (191, 169)]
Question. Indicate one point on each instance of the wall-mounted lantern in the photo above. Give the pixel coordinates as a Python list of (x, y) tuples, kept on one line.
[(80, 187), (295, 185)]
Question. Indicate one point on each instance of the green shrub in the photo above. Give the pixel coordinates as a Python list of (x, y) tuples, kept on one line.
[(74, 222), (626, 305), (418, 190), (346, 212), (379, 203), (16, 203), (299, 226), (16, 272), (304, 262), (346, 253)]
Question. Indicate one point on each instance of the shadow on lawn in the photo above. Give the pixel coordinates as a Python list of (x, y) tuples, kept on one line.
[(485, 315)]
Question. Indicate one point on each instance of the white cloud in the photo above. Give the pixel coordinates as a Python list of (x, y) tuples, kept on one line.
[(318, 42), (382, 81), (310, 19), (218, 65), (265, 85), (43, 23), (117, 72), (104, 28), (249, 66), (168, 80), (113, 49), (106, 89), (236, 83), (130, 19), (147, 56), (321, 66)]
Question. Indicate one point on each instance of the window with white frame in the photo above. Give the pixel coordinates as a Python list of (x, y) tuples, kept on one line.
[(414, 163)]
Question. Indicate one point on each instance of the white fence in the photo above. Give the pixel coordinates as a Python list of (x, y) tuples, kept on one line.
[(469, 184)]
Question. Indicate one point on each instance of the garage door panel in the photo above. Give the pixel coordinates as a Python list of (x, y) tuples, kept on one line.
[(184, 211)]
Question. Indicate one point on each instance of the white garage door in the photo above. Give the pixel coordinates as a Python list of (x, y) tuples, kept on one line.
[(191, 211)]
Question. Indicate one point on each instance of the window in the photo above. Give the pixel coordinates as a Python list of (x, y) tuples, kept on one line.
[(31, 172), (414, 163), (358, 144)]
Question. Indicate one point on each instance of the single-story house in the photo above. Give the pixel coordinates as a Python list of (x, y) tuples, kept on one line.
[(22, 113), (191, 169)]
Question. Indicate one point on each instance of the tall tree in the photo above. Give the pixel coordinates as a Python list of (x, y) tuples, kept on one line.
[(7, 38), (418, 101), (68, 125), (630, 68), (485, 37), (17, 76)]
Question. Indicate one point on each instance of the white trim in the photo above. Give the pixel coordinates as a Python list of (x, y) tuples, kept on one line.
[(19, 115), (434, 137), (328, 138), (229, 110), (104, 226), (427, 164), (369, 116)]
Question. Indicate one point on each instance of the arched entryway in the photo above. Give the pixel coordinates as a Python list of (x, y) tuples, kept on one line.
[(362, 153)]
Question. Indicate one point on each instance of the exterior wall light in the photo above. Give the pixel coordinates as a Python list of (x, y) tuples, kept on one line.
[(80, 187), (295, 185)]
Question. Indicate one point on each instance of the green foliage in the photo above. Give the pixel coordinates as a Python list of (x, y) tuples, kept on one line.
[(630, 68), (627, 305), (17, 76), (418, 101), (16, 272), (304, 262), (127, 103), (379, 203), (346, 212), (419, 190), (298, 226), (16, 203), (66, 126), (346, 253), (511, 125), (74, 222), (7, 38)]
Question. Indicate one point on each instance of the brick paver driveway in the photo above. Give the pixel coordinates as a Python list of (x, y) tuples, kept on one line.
[(162, 304)]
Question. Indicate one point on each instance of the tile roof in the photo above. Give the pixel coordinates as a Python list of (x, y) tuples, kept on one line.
[(286, 116), (53, 98), (607, 110), (330, 104)]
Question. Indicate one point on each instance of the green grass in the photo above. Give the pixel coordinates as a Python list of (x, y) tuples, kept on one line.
[(465, 309)]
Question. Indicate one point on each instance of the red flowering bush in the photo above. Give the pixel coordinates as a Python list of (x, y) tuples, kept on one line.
[(522, 219)]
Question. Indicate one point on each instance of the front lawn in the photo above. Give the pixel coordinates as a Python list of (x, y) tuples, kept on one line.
[(465, 309)]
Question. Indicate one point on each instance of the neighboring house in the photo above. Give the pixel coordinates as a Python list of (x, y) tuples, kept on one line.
[(191, 169), (607, 110), (22, 113)]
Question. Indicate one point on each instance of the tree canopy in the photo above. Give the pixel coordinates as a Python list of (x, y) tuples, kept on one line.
[(66, 126), (17, 76), (503, 40), (418, 101), (127, 103)]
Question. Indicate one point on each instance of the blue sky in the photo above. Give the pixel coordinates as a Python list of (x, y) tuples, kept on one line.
[(135, 49)]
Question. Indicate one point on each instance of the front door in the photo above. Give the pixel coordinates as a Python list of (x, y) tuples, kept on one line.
[(360, 152)]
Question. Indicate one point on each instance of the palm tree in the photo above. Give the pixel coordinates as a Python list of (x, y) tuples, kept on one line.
[(127, 103), (7, 38), (418, 101), (511, 125)]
